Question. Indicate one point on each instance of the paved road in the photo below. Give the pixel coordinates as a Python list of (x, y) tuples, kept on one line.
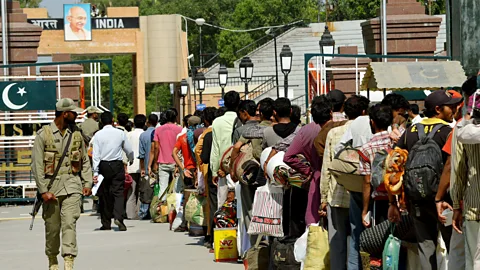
[(143, 246)]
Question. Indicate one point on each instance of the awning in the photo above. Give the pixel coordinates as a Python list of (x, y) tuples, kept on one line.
[(413, 75)]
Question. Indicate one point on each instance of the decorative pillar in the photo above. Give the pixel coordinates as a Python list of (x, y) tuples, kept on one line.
[(409, 31), (23, 40)]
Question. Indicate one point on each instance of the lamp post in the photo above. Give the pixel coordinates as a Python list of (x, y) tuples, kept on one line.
[(286, 63), (274, 35), (200, 80), (246, 72), (200, 22), (223, 78), (327, 46), (172, 92), (183, 92)]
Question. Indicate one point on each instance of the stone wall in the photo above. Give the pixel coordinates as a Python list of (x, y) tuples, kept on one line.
[(465, 33)]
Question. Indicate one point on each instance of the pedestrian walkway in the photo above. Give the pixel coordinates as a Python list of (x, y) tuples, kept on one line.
[(144, 246)]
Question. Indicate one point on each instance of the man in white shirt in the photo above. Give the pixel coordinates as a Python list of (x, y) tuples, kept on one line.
[(134, 170), (108, 146), (222, 131), (75, 29), (414, 115)]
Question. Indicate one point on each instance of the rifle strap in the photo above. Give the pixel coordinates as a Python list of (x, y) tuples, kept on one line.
[(60, 161)]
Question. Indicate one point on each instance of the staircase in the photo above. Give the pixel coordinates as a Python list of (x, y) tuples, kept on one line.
[(301, 41), (305, 40)]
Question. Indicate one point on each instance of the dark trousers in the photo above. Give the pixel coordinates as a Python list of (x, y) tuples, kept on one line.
[(212, 201), (112, 202), (295, 202), (247, 195), (426, 225)]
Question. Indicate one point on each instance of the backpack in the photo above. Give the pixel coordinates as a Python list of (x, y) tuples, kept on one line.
[(344, 168), (378, 169), (246, 166), (424, 166)]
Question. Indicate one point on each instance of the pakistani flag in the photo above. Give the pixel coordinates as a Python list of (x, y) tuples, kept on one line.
[(28, 95)]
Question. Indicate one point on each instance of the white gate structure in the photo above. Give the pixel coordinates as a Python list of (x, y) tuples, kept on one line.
[(18, 128), (317, 68)]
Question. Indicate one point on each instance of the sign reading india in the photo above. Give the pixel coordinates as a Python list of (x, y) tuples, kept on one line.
[(28, 95), (97, 23)]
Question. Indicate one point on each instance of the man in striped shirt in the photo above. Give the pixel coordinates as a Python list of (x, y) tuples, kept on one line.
[(335, 196)]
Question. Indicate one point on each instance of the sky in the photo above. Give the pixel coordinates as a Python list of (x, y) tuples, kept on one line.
[(55, 7)]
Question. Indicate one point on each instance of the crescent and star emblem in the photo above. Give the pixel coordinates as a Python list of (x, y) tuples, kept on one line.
[(8, 102)]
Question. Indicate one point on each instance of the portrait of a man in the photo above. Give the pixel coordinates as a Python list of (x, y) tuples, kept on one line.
[(77, 22)]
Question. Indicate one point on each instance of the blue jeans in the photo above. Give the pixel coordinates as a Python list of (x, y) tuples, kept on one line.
[(143, 212), (356, 225)]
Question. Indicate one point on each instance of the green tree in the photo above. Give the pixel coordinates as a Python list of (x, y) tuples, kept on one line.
[(253, 14), (30, 3)]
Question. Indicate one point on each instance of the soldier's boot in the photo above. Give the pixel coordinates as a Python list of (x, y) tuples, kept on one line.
[(69, 262), (52, 263)]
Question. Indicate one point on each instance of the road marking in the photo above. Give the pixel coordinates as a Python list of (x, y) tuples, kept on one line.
[(4, 212)]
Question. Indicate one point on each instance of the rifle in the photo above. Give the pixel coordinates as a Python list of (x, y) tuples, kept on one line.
[(38, 199)]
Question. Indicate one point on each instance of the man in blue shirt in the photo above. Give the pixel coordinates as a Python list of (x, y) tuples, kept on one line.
[(146, 142)]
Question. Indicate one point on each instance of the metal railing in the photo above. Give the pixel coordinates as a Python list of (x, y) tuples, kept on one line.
[(261, 89), (236, 81), (321, 68)]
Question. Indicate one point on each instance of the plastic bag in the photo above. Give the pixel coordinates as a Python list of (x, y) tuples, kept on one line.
[(318, 249), (178, 219), (442, 256), (300, 248), (201, 182), (391, 252), (194, 209), (156, 189)]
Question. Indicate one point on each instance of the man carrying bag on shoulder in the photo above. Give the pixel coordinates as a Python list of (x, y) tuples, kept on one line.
[(62, 172)]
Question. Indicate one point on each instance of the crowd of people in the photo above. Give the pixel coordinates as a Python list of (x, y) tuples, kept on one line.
[(416, 170)]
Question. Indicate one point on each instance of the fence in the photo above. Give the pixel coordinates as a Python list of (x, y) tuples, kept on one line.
[(19, 128)]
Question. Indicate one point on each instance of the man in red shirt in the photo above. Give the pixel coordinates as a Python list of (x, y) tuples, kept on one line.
[(186, 147)]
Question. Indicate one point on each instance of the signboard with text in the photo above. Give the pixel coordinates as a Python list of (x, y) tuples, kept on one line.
[(221, 102), (96, 23)]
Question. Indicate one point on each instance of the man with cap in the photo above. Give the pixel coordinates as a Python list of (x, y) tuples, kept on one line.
[(440, 109), (61, 181), (90, 125)]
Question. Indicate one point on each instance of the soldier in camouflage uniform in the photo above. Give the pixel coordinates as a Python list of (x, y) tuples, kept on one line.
[(61, 207)]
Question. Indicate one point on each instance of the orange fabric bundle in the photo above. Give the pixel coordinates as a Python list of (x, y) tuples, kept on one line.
[(394, 170)]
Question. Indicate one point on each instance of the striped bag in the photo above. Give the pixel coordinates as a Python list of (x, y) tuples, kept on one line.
[(267, 211)]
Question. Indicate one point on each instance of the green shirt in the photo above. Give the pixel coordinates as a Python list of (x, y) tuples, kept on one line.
[(89, 127), (65, 183)]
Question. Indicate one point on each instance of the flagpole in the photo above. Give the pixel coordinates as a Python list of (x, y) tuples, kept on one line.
[(4, 39)]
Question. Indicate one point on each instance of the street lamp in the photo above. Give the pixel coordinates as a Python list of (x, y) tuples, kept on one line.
[(286, 63), (246, 72), (200, 80), (327, 44), (183, 92), (200, 22), (172, 92), (223, 78)]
